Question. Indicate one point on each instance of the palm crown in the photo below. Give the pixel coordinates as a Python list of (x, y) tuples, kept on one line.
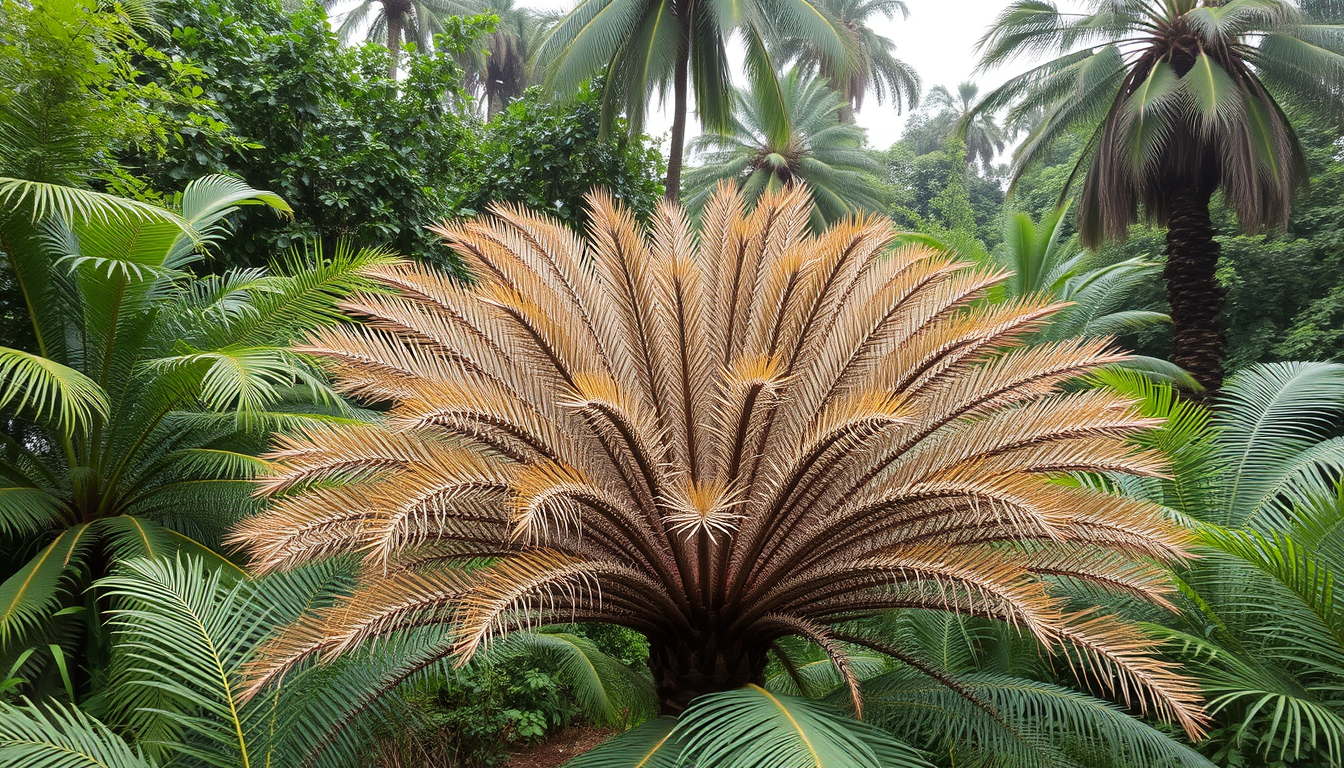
[(874, 66), (825, 156), (984, 137), (720, 441), (500, 70), (1178, 97), (643, 46), (394, 22)]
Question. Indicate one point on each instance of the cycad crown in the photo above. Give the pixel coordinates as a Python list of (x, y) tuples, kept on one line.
[(718, 439)]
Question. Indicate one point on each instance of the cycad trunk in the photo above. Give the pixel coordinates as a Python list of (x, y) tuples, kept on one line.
[(689, 667), (1192, 288)]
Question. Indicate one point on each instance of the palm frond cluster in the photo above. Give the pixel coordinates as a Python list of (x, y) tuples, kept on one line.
[(720, 439), (816, 151)]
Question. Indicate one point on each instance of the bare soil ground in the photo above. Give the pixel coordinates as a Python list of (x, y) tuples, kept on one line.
[(554, 752)]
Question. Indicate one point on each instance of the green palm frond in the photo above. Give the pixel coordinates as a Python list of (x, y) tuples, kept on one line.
[(1273, 711), (40, 201), (753, 728), (810, 148), (47, 391), (188, 635), (1017, 721), (26, 510), (817, 677), (34, 591), (128, 537), (1274, 421), (183, 630), (331, 711), (1042, 260), (242, 380), (651, 745), (305, 289), (872, 66), (207, 201), (52, 735)]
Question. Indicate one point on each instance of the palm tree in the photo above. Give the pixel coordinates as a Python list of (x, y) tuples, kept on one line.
[(394, 22), (721, 441), (1257, 477), (984, 138), (130, 413), (1179, 99), (501, 71), (643, 46), (874, 66), (820, 154)]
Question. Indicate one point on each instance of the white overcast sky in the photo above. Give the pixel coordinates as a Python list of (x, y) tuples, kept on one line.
[(938, 40)]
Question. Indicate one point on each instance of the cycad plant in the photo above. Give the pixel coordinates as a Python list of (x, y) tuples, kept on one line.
[(874, 66), (823, 155), (1258, 478), (133, 401), (721, 440), (1178, 99), (1042, 259)]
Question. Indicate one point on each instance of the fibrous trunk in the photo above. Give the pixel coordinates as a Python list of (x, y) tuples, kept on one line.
[(686, 668), (394, 27), (680, 105), (1193, 290)]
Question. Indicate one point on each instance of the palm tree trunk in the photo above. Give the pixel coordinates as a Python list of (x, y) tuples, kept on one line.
[(394, 25), (1192, 288), (680, 86)]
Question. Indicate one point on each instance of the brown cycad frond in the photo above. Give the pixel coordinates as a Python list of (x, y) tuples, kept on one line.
[(719, 438)]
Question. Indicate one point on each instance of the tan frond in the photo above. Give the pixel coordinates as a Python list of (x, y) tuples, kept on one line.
[(454, 495), (1116, 656), (538, 587), (1107, 570), (708, 508), (818, 634), (376, 609), (342, 453), (318, 523)]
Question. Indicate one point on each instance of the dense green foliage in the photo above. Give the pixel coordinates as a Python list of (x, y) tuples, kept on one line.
[(548, 156)]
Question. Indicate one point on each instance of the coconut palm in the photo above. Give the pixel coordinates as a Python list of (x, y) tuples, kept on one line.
[(643, 46), (984, 137), (131, 409), (826, 157), (392, 22), (1179, 99), (873, 66), (500, 71), (1258, 477), (720, 441)]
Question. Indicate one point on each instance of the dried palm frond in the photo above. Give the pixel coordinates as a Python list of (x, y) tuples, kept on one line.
[(718, 438)]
